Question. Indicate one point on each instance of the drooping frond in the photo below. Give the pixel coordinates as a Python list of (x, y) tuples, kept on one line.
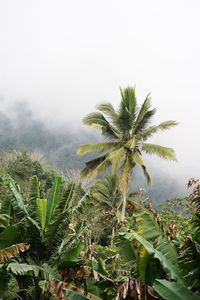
[(144, 116), (104, 165), (91, 166), (146, 175), (81, 203), (139, 161), (163, 152), (116, 157), (14, 250), (131, 143), (106, 191), (100, 147), (154, 129), (108, 110), (97, 120)]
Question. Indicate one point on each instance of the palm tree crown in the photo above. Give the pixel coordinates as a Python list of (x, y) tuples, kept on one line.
[(127, 131)]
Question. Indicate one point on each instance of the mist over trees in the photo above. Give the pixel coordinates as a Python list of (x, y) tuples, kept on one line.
[(56, 145)]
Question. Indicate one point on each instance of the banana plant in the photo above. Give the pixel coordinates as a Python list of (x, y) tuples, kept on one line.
[(157, 259), (46, 226)]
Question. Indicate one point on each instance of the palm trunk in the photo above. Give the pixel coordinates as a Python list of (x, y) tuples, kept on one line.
[(112, 237), (123, 208)]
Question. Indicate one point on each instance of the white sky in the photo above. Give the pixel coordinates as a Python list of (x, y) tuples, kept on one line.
[(66, 56)]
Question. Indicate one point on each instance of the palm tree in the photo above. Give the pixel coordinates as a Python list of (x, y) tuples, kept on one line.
[(106, 193), (126, 130)]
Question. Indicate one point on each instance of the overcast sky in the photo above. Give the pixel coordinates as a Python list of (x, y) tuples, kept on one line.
[(63, 57)]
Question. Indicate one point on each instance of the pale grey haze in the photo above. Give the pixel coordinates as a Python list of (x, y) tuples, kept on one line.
[(63, 57)]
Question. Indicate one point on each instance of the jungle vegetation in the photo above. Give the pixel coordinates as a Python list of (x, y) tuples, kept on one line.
[(86, 237)]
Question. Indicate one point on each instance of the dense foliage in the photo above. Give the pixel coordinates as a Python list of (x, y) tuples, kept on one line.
[(63, 237), (56, 145)]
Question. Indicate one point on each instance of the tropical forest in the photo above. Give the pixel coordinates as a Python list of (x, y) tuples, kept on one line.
[(79, 218)]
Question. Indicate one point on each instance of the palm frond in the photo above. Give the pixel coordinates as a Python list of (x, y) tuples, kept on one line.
[(104, 165), (91, 166), (97, 120), (81, 203), (146, 175), (144, 116), (139, 161), (116, 157), (154, 129), (129, 99), (131, 143), (163, 152), (108, 110), (100, 147), (127, 109)]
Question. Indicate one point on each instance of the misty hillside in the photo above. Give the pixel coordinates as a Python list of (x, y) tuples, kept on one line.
[(56, 146)]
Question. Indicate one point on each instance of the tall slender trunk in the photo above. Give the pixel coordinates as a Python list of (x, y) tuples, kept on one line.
[(123, 207), (112, 237)]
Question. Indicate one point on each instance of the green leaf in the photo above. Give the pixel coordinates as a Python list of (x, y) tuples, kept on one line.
[(97, 120), (42, 210), (74, 253), (154, 129), (100, 147), (91, 166), (108, 110), (81, 203), (9, 182), (139, 161), (143, 263), (144, 116), (146, 225), (11, 235), (53, 199), (173, 291), (165, 253), (163, 152), (23, 269), (74, 295), (50, 273), (127, 109), (33, 189), (115, 157), (98, 266)]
